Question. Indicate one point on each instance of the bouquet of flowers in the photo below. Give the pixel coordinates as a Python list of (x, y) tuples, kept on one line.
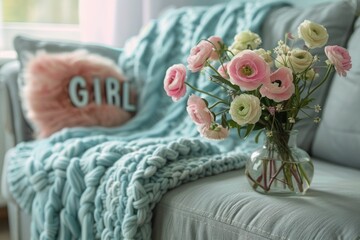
[(264, 90)]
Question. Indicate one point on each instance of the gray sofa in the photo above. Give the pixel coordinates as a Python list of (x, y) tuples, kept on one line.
[(224, 206)]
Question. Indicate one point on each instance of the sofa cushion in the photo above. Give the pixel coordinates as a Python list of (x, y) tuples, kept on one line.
[(287, 19), (75, 89), (27, 47), (226, 207), (338, 137)]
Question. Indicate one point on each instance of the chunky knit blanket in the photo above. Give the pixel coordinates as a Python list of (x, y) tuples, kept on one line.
[(91, 183)]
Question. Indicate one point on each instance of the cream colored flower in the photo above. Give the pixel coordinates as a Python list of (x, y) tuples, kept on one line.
[(291, 120), (282, 48), (314, 35), (269, 134), (282, 51), (317, 108), (245, 109), (311, 74), (299, 60), (279, 107), (266, 55), (317, 120), (281, 61), (245, 40)]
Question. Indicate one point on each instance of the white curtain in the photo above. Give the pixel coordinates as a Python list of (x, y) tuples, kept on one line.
[(1, 27), (109, 22), (112, 22)]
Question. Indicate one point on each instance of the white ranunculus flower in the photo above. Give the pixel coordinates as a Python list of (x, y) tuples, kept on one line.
[(281, 61), (314, 35), (311, 74), (245, 40), (299, 60), (245, 109), (266, 55)]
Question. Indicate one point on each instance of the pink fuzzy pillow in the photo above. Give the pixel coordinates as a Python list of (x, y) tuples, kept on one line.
[(46, 92)]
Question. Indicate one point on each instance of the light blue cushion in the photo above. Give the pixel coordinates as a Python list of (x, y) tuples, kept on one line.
[(338, 137), (225, 207), (337, 17)]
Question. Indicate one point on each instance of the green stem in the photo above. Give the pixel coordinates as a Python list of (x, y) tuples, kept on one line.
[(303, 173), (217, 103), (322, 81), (209, 94), (223, 111)]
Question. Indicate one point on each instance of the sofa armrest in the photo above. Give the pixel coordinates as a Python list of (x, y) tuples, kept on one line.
[(18, 219), (13, 129), (19, 126), (7, 136)]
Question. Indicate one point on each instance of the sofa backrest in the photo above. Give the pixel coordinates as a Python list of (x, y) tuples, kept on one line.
[(287, 19), (338, 136)]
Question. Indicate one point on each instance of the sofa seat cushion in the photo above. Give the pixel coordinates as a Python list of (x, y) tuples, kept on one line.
[(225, 207)]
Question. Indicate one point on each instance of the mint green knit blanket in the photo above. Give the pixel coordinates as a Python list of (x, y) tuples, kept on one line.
[(91, 183)]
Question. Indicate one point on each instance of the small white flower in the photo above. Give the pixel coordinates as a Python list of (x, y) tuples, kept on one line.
[(291, 120), (317, 120), (269, 133), (282, 48), (279, 107), (317, 108)]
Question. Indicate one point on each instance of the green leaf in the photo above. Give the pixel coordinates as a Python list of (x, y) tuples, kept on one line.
[(232, 124), (249, 129), (224, 123), (305, 102), (258, 135), (206, 102), (214, 115), (239, 131)]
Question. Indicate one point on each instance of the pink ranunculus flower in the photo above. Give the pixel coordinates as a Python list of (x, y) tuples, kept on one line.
[(174, 82), (281, 86), (214, 131), (248, 70), (198, 111), (198, 55), (340, 58), (222, 70), (216, 41)]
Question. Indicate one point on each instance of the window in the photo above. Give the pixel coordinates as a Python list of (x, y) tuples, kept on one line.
[(41, 11), (39, 18)]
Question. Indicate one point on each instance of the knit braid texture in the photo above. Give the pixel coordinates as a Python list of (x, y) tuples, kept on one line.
[(103, 183)]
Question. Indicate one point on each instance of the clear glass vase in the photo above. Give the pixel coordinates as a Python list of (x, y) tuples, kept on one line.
[(280, 167)]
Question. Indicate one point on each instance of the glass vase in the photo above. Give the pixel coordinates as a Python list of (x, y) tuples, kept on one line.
[(279, 166)]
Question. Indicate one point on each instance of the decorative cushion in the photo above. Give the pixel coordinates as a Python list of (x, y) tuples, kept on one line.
[(74, 89), (27, 47), (338, 137), (287, 19)]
